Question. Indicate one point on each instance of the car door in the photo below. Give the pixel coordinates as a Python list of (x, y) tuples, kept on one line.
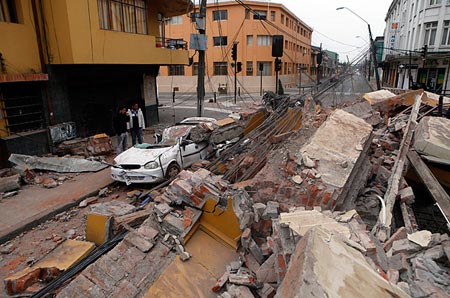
[(191, 152)]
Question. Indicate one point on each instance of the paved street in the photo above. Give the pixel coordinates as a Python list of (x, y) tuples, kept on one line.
[(352, 87), (185, 105)]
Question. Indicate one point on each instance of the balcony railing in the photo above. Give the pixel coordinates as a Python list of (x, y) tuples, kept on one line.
[(171, 43)]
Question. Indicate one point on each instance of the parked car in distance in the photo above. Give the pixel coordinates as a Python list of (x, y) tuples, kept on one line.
[(151, 163)]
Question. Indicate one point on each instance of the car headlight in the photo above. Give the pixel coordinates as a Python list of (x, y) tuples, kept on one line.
[(151, 165)]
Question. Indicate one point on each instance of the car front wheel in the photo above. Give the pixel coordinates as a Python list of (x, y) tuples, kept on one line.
[(172, 171)]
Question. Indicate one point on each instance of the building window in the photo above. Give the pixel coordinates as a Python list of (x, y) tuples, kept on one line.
[(249, 40), (123, 15), (260, 15), (250, 68), (220, 41), (435, 2), (22, 106), (272, 15), (8, 11), (247, 14), (219, 15), (430, 33), (220, 69), (176, 70), (445, 34), (264, 40), (266, 68), (282, 18), (177, 20)]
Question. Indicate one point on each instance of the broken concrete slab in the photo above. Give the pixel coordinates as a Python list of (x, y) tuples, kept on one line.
[(330, 145), (113, 208), (364, 111), (423, 238), (324, 266), (63, 257), (432, 137), (57, 164), (9, 183), (302, 220)]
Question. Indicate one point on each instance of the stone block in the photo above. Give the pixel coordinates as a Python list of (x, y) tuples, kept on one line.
[(431, 137), (398, 235), (407, 195), (162, 209), (251, 263), (404, 246), (240, 291), (266, 272), (271, 210), (267, 291), (324, 266)]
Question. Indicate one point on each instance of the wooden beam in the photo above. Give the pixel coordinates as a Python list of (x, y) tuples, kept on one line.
[(383, 229), (436, 190)]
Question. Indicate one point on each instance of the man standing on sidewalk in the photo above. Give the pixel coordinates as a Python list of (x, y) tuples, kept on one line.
[(121, 127), (136, 123)]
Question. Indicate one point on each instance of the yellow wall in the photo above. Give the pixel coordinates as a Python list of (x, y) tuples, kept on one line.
[(232, 27), (76, 38), (18, 43)]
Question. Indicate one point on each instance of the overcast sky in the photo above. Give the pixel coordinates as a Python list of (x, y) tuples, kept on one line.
[(337, 29)]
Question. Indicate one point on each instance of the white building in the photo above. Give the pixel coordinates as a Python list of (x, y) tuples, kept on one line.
[(411, 26)]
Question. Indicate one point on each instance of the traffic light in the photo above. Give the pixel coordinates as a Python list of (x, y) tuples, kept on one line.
[(319, 58), (234, 52), (277, 64), (425, 51), (239, 67), (277, 45)]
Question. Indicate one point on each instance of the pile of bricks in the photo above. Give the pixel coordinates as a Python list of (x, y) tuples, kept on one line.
[(418, 263)]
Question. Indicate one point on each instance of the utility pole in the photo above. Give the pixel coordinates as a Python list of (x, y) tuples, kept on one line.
[(234, 57), (261, 68), (201, 62), (409, 71), (374, 57), (319, 63)]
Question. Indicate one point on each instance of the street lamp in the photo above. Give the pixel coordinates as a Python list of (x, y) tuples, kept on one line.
[(365, 41), (372, 45)]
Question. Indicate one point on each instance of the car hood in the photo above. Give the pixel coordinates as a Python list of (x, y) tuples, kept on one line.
[(139, 156)]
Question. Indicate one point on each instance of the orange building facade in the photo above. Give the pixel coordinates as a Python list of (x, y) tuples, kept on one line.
[(252, 27)]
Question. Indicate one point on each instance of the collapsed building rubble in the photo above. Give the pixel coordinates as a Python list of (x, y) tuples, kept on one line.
[(289, 209)]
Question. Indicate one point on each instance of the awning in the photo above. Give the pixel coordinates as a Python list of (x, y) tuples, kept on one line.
[(11, 78)]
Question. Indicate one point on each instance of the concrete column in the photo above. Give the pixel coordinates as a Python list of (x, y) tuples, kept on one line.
[(150, 96)]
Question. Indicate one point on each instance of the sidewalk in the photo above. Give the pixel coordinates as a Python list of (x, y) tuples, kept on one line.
[(35, 204)]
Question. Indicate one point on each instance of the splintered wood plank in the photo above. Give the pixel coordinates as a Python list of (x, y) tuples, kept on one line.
[(432, 184)]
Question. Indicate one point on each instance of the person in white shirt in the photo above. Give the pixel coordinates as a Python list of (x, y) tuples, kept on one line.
[(136, 124)]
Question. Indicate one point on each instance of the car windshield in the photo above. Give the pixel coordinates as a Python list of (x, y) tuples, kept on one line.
[(172, 134)]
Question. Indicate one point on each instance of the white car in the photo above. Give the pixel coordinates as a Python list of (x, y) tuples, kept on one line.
[(150, 163)]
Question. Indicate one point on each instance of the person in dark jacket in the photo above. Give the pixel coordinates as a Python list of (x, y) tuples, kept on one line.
[(121, 127)]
